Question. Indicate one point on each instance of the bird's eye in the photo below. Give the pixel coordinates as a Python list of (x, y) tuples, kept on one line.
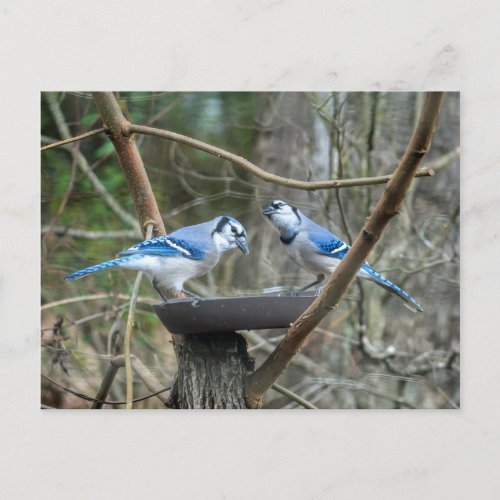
[(233, 230)]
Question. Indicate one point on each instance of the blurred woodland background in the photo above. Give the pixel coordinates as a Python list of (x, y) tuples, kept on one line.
[(408, 360)]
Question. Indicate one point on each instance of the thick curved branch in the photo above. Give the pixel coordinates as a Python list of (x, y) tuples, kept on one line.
[(259, 172), (388, 205), (130, 160)]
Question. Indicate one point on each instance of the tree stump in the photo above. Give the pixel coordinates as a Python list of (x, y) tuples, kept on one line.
[(212, 371)]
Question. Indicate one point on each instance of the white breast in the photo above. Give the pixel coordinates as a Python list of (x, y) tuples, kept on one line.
[(172, 272)]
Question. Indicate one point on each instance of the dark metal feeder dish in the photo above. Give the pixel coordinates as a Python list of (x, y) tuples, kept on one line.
[(229, 314)]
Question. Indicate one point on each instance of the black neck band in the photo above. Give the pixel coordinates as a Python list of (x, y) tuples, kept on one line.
[(288, 238)]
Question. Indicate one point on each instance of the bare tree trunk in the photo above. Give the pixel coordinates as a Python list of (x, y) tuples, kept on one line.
[(212, 370)]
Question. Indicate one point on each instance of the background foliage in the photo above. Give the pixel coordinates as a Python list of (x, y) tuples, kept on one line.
[(412, 359)]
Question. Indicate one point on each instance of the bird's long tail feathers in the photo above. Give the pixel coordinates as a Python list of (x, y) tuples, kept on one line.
[(98, 267), (409, 301)]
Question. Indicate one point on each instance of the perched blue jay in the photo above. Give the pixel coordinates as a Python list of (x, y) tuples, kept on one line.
[(187, 253), (318, 251)]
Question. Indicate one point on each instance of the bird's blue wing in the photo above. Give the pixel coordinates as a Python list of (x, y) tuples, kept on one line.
[(166, 246), (326, 243), (333, 248)]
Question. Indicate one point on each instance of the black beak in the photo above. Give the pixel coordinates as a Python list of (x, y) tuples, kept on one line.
[(268, 211), (242, 246)]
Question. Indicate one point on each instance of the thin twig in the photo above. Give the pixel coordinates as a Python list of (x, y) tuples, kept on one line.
[(300, 360), (96, 296), (259, 172), (85, 319), (423, 267), (130, 325), (143, 372), (73, 139), (101, 401), (64, 201), (64, 131), (91, 235), (112, 368), (444, 160), (294, 397), (360, 386), (446, 397)]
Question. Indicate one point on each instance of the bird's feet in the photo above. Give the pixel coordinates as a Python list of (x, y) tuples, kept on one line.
[(197, 300), (296, 293), (319, 279)]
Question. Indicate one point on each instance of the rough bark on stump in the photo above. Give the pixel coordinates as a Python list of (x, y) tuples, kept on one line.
[(212, 371)]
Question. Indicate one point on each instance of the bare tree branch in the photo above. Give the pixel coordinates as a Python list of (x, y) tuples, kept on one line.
[(72, 139), (300, 360), (95, 400), (259, 172), (65, 199), (141, 370), (95, 296), (113, 348), (444, 160), (360, 386), (91, 235), (63, 128), (387, 207), (130, 160), (130, 325), (294, 397)]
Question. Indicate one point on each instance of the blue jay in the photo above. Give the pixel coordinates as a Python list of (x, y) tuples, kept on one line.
[(318, 251), (187, 253)]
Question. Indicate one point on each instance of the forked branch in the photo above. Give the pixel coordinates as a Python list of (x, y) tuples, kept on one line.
[(388, 205)]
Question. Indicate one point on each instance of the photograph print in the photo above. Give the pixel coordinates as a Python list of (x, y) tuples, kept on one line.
[(250, 250)]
